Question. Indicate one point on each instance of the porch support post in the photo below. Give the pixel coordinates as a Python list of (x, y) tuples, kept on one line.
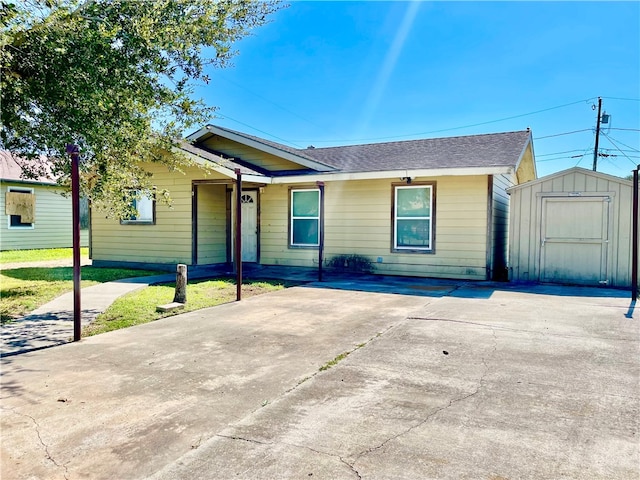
[(634, 246), (321, 232), (238, 252)]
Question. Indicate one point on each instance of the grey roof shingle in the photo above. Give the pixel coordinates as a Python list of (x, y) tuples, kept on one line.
[(487, 150)]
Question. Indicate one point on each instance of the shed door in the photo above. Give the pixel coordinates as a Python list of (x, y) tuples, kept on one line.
[(574, 242), (249, 226)]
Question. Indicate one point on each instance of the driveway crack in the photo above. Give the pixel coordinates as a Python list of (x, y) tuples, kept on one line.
[(332, 455), (451, 402), (44, 445), (243, 439)]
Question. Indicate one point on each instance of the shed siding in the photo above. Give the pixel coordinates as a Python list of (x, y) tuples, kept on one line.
[(53, 221), (248, 154), (169, 240), (358, 220), (526, 222)]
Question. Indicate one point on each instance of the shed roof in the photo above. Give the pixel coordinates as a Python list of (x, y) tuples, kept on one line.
[(567, 172)]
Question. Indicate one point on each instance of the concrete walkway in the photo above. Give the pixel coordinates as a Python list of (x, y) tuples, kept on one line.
[(52, 323)]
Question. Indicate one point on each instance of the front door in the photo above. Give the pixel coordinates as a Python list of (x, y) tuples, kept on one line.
[(575, 237), (249, 200)]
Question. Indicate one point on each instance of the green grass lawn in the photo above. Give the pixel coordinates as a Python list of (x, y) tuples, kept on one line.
[(140, 306), (45, 254), (25, 289)]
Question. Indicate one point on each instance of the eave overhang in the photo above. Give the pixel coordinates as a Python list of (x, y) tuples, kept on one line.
[(205, 132)]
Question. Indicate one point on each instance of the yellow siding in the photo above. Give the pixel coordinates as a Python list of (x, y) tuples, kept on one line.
[(212, 224), (252, 155), (168, 241), (53, 221), (358, 221), (526, 170)]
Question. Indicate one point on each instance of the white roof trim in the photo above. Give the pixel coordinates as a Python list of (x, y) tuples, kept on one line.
[(227, 172), (432, 172), (318, 166)]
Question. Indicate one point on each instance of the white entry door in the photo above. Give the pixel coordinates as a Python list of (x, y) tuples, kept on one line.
[(575, 239), (249, 200)]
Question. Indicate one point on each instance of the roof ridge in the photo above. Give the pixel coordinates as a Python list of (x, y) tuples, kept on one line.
[(415, 140)]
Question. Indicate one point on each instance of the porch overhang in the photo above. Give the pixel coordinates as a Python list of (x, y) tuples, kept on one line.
[(413, 173)]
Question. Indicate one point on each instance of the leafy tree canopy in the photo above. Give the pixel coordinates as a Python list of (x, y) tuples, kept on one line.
[(113, 76)]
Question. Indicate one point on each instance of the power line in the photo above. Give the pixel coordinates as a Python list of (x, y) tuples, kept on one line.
[(614, 144), (258, 130), (626, 99), (452, 128), (565, 133), (559, 153)]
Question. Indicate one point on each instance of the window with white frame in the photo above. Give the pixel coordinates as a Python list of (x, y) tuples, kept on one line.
[(20, 207), (305, 218), (413, 217), (144, 205)]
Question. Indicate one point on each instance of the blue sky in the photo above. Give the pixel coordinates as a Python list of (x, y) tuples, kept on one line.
[(338, 73)]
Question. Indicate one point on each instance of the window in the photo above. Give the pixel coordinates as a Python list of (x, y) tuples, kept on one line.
[(145, 208), (305, 218), (20, 207), (413, 218)]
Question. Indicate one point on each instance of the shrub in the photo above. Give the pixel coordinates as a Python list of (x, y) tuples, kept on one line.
[(352, 263)]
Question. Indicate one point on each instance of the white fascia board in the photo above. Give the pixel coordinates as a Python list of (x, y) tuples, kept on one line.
[(321, 167), (227, 172), (434, 172), (196, 135)]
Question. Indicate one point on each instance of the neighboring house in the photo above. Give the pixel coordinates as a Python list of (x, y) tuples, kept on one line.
[(432, 208), (36, 214), (572, 227)]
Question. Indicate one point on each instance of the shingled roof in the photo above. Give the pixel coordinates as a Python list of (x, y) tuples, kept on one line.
[(486, 151), (11, 169), (489, 150)]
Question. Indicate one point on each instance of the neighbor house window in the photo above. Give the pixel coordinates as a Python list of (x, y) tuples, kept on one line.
[(305, 218), (413, 218), (145, 209), (20, 207)]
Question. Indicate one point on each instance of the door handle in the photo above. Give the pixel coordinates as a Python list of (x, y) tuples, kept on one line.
[(544, 240)]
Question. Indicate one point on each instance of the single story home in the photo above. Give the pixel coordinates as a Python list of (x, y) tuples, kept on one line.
[(431, 208), (36, 213), (574, 227)]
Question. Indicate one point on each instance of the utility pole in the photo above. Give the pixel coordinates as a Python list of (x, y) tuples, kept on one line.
[(595, 150)]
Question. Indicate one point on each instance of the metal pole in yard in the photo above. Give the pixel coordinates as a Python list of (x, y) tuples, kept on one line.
[(321, 231), (238, 253), (634, 246), (73, 152)]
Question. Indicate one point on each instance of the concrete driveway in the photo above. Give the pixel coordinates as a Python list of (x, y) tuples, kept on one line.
[(437, 381)]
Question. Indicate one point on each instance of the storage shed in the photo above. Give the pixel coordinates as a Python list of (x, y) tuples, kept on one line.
[(572, 227)]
